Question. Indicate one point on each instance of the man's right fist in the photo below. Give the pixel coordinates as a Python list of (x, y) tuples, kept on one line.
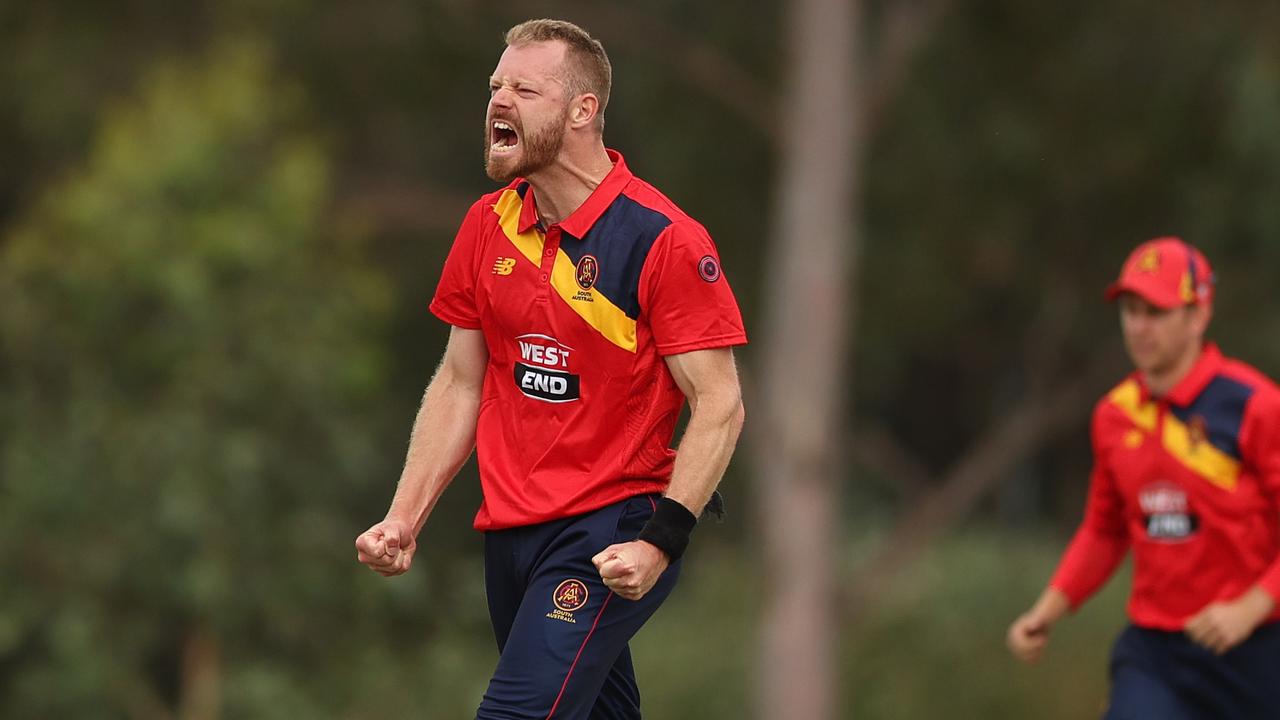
[(387, 548)]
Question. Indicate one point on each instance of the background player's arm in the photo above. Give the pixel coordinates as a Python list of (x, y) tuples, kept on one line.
[(1091, 558), (709, 380), (1222, 625), (444, 434), (1029, 634), (1094, 553)]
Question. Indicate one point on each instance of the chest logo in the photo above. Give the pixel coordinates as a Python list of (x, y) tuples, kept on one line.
[(588, 271), (504, 265), (1166, 512), (543, 371), (1197, 432)]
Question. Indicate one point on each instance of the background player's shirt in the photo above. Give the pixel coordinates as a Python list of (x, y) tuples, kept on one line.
[(578, 407), (1191, 482)]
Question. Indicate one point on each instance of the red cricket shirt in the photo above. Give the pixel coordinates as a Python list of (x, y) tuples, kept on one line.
[(578, 407), (1190, 481)]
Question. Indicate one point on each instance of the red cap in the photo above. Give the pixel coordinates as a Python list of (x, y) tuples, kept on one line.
[(1166, 272)]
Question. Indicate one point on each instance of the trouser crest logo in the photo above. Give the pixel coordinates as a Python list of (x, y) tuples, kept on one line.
[(569, 596)]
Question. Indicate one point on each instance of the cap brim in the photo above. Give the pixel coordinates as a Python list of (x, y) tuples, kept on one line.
[(1160, 300)]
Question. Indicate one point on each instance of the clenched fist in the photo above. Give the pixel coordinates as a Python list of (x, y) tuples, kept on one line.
[(387, 548)]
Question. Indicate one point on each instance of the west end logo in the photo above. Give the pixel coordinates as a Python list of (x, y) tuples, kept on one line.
[(543, 373), (569, 597), (1166, 512), (588, 271)]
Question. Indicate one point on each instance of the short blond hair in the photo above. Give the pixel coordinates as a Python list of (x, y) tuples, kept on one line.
[(587, 68)]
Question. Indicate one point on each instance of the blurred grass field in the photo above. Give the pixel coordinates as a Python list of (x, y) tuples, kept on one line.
[(932, 648)]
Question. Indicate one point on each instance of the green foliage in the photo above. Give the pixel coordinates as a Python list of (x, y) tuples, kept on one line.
[(215, 261), (186, 349)]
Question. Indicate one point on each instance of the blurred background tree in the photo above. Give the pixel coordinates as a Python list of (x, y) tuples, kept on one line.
[(220, 224)]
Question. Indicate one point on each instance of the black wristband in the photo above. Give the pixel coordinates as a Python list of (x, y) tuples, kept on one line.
[(669, 528)]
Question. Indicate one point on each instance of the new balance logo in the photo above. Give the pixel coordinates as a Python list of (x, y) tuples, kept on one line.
[(504, 265)]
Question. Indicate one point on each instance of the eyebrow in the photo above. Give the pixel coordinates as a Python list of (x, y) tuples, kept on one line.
[(514, 81), (529, 82)]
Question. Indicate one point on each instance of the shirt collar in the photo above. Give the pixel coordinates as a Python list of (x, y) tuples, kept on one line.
[(1202, 373), (581, 220), (1194, 382)]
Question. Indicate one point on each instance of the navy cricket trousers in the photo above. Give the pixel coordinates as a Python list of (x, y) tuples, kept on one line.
[(561, 633), (1160, 675)]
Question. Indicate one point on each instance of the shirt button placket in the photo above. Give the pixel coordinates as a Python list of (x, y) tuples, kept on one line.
[(551, 245)]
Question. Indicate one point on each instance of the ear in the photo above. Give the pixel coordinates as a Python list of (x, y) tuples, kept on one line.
[(583, 110), (1201, 315)]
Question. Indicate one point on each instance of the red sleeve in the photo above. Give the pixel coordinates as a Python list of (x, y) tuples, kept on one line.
[(684, 294), (1102, 539), (1260, 445), (455, 298)]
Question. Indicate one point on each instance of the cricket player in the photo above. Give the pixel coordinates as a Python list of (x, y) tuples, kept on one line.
[(586, 309), (1186, 473)]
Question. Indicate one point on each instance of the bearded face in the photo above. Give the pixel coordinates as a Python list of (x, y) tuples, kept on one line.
[(521, 144)]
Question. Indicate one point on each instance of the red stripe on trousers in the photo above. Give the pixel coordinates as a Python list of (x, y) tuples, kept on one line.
[(556, 704)]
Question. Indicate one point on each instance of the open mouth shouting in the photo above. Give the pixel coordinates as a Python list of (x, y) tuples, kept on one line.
[(502, 137)]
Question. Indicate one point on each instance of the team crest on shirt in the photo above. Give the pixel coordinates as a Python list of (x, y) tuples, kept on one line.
[(1166, 512), (569, 597), (588, 269), (1197, 432)]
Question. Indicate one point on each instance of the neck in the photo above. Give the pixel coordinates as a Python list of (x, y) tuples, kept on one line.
[(1161, 382), (563, 186)]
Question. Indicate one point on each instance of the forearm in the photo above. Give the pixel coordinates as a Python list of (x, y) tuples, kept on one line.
[(1270, 580), (1263, 595), (705, 449), (1258, 602), (443, 436), (1086, 565), (1052, 605)]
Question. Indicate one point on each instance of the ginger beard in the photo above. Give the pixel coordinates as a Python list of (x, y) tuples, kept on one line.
[(510, 152)]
